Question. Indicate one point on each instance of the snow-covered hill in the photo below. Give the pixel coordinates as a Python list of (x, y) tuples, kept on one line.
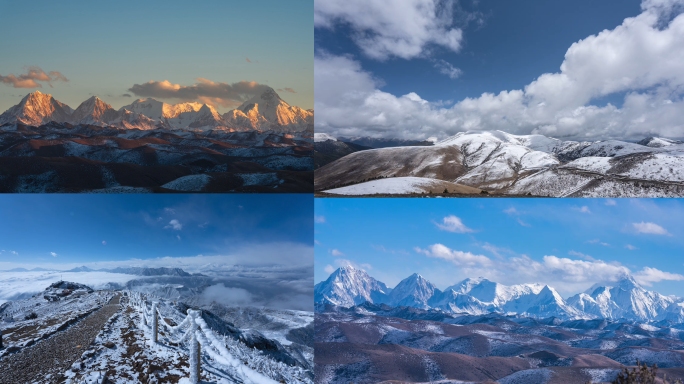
[(404, 186), (320, 137), (624, 300), (265, 112), (377, 343), (524, 164)]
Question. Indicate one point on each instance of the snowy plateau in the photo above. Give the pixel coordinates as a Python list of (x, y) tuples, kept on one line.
[(99, 329), (500, 163), (479, 331), (151, 146)]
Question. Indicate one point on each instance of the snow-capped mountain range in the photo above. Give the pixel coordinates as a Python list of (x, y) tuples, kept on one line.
[(624, 299), (264, 112), (500, 162)]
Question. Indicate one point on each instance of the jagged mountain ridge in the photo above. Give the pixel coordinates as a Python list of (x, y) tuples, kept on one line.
[(503, 163), (625, 299), (265, 112)]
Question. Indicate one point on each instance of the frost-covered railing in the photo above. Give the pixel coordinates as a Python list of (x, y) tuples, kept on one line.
[(194, 332)]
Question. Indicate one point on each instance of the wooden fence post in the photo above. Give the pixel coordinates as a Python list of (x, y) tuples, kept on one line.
[(194, 349), (154, 321), (199, 360)]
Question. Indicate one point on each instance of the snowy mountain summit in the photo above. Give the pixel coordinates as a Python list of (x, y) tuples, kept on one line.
[(268, 111), (263, 112), (349, 286), (624, 299)]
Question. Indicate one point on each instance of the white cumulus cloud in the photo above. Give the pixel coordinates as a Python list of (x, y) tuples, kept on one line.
[(640, 59), (454, 224), (647, 276), (175, 225), (457, 257), (401, 28)]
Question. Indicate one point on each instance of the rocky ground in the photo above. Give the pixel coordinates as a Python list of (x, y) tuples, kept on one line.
[(47, 360)]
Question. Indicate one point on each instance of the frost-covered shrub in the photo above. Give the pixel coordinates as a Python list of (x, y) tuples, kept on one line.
[(641, 374)]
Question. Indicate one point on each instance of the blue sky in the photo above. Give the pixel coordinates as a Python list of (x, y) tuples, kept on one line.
[(569, 244), (92, 229), (572, 69), (104, 48)]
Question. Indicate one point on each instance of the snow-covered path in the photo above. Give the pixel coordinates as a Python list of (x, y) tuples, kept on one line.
[(46, 361)]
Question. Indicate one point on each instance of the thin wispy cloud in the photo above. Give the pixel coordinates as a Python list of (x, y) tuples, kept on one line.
[(383, 249), (523, 223), (339, 263), (581, 255), (285, 254), (511, 211), (599, 242), (445, 68), (649, 228), (494, 250)]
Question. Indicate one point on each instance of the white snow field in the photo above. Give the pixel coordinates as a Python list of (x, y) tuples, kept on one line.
[(319, 137), (524, 164), (403, 185), (188, 183)]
